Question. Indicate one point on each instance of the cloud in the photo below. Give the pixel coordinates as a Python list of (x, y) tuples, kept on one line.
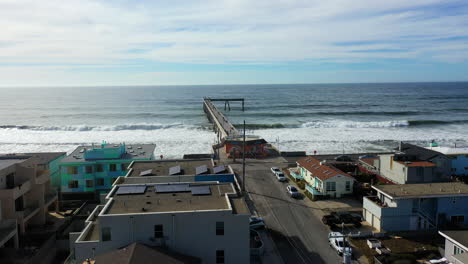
[(86, 32)]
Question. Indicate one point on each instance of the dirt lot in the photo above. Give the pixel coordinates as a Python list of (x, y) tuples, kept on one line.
[(424, 246)]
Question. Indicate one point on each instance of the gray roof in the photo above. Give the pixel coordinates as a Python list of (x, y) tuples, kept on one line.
[(162, 167), (420, 153), (34, 158), (5, 163), (423, 189), (460, 236), (138, 149)]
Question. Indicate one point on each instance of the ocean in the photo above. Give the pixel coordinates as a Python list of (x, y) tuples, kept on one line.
[(327, 118)]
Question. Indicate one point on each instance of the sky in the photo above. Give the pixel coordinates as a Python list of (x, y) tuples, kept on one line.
[(183, 42)]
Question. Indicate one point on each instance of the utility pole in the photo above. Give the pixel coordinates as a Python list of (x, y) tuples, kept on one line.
[(243, 162)]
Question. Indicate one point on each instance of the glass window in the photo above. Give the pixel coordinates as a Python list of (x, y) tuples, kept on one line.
[(112, 167), (89, 183), (89, 169), (72, 170), (220, 228), (219, 256), (331, 186), (99, 182), (158, 231), (348, 186), (106, 234), (99, 168), (457, 250), (123, 167), (73, 184), (457, 219)]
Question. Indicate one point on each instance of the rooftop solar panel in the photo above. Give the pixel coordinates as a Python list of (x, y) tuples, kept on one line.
[(201, 169), (174, 170), (219, 169), (146, 172), (167, 188), (131, 190), (200, 190)]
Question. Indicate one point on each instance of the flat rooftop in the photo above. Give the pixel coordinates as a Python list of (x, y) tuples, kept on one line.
[(133, 152), (5, 163), (461, 236), (450, 151), (163, 167), (416, 163), (424, 189), (176, 201)]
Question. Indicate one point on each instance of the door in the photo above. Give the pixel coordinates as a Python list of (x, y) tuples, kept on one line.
[(376, 223)]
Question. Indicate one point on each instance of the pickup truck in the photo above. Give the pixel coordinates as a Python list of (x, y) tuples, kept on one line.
[(337, 218)]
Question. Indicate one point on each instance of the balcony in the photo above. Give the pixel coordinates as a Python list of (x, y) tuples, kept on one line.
[(50, 197), (42, 176), (27, 213), (17, 190), (294, 172), (7, 230)]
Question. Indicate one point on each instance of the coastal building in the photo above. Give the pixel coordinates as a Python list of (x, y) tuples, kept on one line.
[(208, 221), (324, 180), (458, 159), (26, 194), (254, 146), (8, 231), (89, 170), (177, 170), (456, 246), (399, 207)]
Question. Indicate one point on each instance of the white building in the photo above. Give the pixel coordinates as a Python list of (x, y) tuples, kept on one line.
[(458, 158), (456, 246), (204, 220)]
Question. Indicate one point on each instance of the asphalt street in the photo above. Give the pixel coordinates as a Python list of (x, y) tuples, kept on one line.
[(295, 227)]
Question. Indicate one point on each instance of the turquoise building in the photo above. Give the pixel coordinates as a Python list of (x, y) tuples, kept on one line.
[(92, 169)]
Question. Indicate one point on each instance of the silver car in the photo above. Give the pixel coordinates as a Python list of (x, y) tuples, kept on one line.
[(292, 191)]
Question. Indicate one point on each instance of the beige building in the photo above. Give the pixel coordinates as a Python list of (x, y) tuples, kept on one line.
[(25, 190), (208, 221)]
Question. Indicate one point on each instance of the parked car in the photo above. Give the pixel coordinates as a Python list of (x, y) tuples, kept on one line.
[(292, 191), (343, 158), (256, 222), (280, 176), (275, 170), (339, 244), (337, 218)]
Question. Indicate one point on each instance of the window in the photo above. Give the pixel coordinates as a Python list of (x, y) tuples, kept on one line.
[(348, 186), (457, 250), (219, 256), (89, 169), (99, 168), (112, 167), (220, 228), (331, 186), (453, 169), (99, 182), (457, 219), (123, 167), (73, 184), (158, 231), (72, 170), (89, 183), (106, 234)]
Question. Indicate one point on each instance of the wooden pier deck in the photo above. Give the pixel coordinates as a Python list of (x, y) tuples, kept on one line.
[(221, 124)]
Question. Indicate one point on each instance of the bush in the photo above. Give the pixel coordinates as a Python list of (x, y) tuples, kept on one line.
[(301, 184)]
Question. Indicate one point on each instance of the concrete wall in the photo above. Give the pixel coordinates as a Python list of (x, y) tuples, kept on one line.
[(191, 233), (391, 169)]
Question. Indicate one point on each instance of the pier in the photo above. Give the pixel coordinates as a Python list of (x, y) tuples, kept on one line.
[(221, 124)]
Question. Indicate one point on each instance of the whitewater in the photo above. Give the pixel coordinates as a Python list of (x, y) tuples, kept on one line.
[(324, 118)]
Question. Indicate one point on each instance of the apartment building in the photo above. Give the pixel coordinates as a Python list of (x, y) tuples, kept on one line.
[(399, 207), (26, 194), (208, 221), (177, 170), (90, 170), (458, 158)]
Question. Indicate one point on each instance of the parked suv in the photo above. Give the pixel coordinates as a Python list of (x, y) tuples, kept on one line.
[(338, 243)]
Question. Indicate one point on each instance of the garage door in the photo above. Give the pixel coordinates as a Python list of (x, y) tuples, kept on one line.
[(376, 224)]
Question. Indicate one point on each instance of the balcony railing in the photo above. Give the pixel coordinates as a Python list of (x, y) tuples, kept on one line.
[(7, 229), (377, 201), (50, 197)]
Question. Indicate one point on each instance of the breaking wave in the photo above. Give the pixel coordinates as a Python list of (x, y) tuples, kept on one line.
[(97, 128)]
